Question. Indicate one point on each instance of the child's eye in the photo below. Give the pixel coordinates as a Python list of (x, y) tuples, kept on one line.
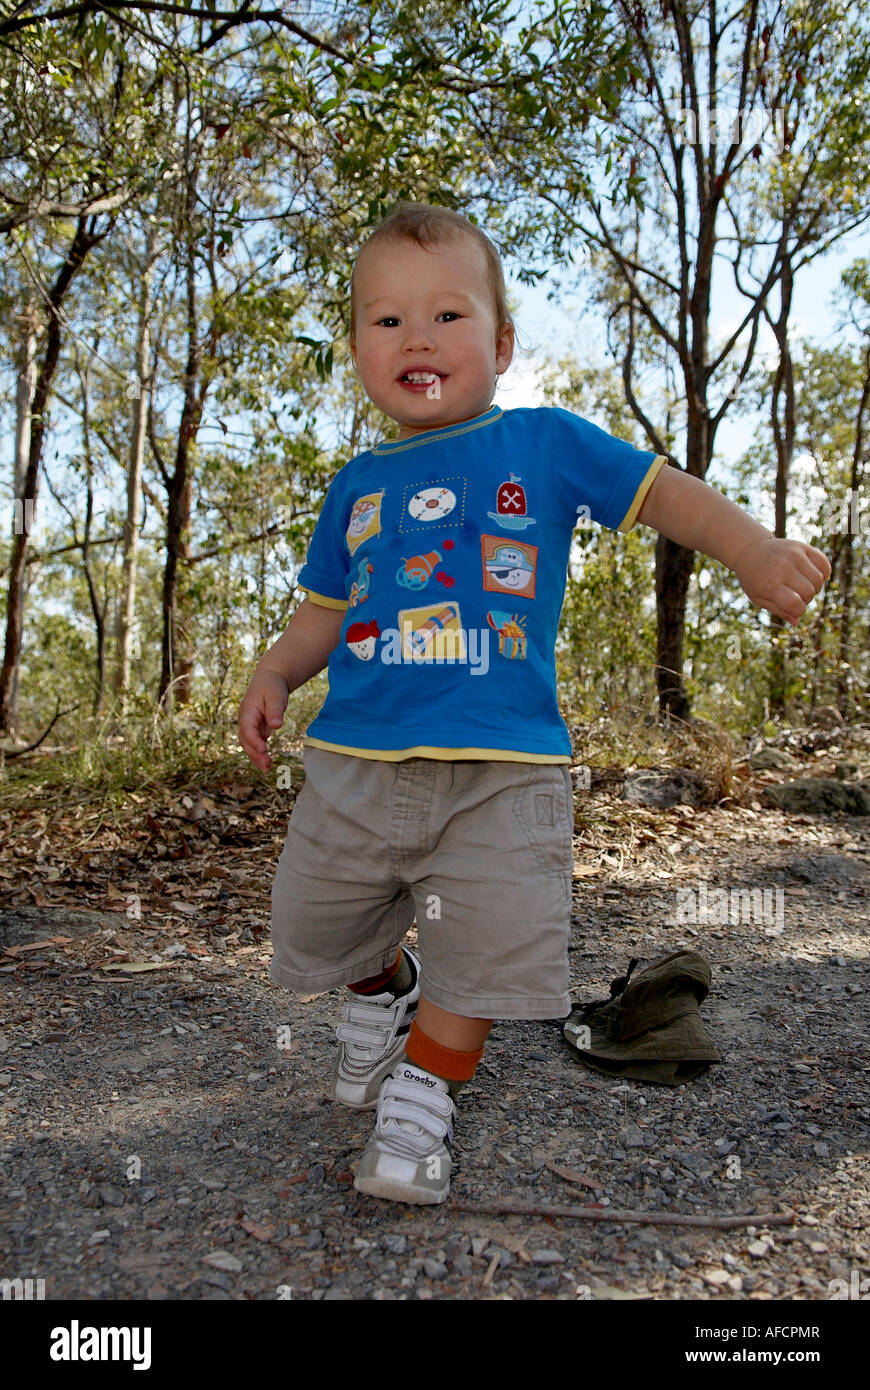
[(390, 318)]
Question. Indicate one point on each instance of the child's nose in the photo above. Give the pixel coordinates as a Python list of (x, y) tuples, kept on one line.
[(417, 336)]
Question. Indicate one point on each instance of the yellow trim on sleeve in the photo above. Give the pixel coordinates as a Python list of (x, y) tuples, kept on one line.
[(323, 600), (394, 755), (646, 483)]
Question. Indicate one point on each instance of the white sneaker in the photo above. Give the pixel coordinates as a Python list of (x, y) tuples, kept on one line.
[(409, 1158), (372, 1039)]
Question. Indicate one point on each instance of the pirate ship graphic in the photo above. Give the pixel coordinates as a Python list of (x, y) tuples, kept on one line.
[(510, 505)]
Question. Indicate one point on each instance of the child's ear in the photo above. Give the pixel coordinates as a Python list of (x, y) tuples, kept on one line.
[(504, 348)]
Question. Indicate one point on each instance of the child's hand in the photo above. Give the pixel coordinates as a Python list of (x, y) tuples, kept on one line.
[(782, 576), (260, 713)]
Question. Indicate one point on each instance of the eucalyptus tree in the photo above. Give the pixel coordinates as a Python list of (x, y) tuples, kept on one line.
[(659, 192)]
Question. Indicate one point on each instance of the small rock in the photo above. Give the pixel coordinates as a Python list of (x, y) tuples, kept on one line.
[(479, 1244), (111, 1195), (769, 758), (213, 1184), (222, 1259), (821, 1150), (718, 1278), (98, 1237), (818, 1248), (735, 1283), (434, 1269), (846, 770), (758, 1249), (547, 1257), (633, 1138), (314, 1240), (698, 1164), (397, 1245)]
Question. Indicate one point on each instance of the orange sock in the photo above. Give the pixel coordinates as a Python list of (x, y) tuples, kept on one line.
[(441, 1061), (376, 984)]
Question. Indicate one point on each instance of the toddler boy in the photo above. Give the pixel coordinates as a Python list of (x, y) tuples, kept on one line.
[(438, 781)]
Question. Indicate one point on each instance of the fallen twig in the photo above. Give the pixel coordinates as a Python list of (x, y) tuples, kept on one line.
[(646, 1218), (18, 752)]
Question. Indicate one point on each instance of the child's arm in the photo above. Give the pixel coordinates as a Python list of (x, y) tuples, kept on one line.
[(303, 650), (780, 575)]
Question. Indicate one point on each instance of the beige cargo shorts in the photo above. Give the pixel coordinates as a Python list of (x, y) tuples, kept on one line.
[(480, 853)]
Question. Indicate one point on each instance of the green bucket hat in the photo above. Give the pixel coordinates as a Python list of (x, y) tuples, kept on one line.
[(650, 1028)]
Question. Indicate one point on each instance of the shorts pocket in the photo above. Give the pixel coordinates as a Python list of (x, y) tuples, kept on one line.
[(307, 814), (543, 810)]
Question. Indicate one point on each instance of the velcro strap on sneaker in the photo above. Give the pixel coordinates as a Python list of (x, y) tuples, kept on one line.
[(365, 1035)]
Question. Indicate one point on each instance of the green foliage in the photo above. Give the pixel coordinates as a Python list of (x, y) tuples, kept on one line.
[(271, 160)]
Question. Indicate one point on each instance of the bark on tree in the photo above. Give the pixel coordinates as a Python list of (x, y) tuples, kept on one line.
[(133, 518), (28, 322), (83, 242), (845, 669), (782, 420), (176, 657)]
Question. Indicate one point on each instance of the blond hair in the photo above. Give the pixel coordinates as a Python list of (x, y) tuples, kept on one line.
[(429, 225)]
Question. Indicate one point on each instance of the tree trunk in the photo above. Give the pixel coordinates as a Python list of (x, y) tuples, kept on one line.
[(177, 658), (132, 520), (844, 663), (97, 611), (26, 385), (674, 566), (783, 436), (82, 243)]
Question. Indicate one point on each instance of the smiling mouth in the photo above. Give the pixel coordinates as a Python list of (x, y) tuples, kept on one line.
[(421, 378)]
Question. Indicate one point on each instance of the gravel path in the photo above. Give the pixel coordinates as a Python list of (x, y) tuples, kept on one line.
[(170, 1132)]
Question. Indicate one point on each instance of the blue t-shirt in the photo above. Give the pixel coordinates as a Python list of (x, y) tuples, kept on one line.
[(449, 551)]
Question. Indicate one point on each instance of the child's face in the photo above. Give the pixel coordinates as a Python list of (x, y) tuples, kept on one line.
[(429, 309)]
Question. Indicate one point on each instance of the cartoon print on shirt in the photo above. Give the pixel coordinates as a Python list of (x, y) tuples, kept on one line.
[(365, 520), (509, 627), (361, 639), (359, 589), (425, 503), (509, 569), (416, 572), (433, 633), (510, 505)]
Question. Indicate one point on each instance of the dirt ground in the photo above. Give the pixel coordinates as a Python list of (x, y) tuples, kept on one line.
[(168, 1128)]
